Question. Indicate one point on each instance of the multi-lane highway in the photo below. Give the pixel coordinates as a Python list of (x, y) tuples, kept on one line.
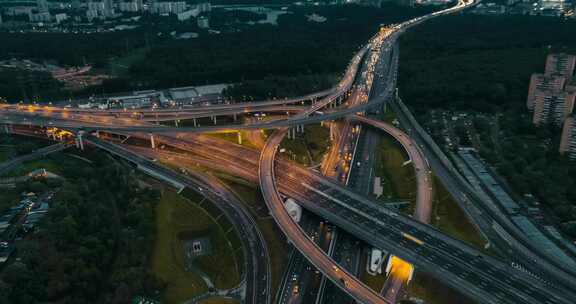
[(440, 255), (480, 277), (256, 272)]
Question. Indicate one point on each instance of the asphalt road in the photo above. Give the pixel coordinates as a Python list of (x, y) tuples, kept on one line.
[(472, 276), (256, 274)]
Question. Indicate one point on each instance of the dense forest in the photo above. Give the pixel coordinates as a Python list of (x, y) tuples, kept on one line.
[(16, 85), (94, 244), (483, 64), (479, 63), (295, 48), (70, 49)]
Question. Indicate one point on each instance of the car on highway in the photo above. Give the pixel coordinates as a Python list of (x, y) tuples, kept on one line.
[(296, 289)]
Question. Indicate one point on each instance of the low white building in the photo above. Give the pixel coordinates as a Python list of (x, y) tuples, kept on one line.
[(293, 209)]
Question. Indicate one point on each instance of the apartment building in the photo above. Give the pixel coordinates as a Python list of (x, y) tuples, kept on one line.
[(543, 83), (560, 64), (552, 107), (568, 141)]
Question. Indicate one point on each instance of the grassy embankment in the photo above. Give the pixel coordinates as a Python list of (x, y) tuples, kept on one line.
[(308, 148), (277, 245), (399, 183), (233, 137), (179, 219)]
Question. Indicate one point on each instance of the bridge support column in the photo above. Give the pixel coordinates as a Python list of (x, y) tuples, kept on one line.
[(214, 119), (235, 117), (176, 123), (331, 131), (195, 122), (79, 140), (8, 129), (152, 142), (239, 137)]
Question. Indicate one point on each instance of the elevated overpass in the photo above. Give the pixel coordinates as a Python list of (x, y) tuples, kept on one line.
[(477, 275), (480, 277), (256, 273)]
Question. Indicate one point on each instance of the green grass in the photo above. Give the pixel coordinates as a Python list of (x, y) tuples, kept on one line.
[(174, 215), (450, 219), (219, 300), (375, 282), (250, 196), (433, 292), (177, 216), (277, 245), (233, 137), (308, 148), (389, 116), (317, 139), (278, 250), (56, 163), (46, 163), (398, 181)]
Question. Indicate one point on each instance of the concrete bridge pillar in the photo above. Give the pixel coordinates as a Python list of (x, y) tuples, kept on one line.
[(176, 123), (332, 131), (300, 129), (293, 131), (235, 117), (152, 141), (7, 129), (214, 119), (79, 140), (195, 122)]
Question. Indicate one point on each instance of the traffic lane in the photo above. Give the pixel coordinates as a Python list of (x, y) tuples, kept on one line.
[(324, 263), (450, 259), (245, 227)]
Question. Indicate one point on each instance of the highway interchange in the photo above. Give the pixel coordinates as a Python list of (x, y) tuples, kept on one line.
[(480, 277)]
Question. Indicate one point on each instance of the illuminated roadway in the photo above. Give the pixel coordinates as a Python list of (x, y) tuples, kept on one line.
[(480, 277), (477, 275), (451, 261), (256, 272)]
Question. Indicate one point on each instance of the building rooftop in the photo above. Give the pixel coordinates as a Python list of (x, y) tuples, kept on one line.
[(536, 236)]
